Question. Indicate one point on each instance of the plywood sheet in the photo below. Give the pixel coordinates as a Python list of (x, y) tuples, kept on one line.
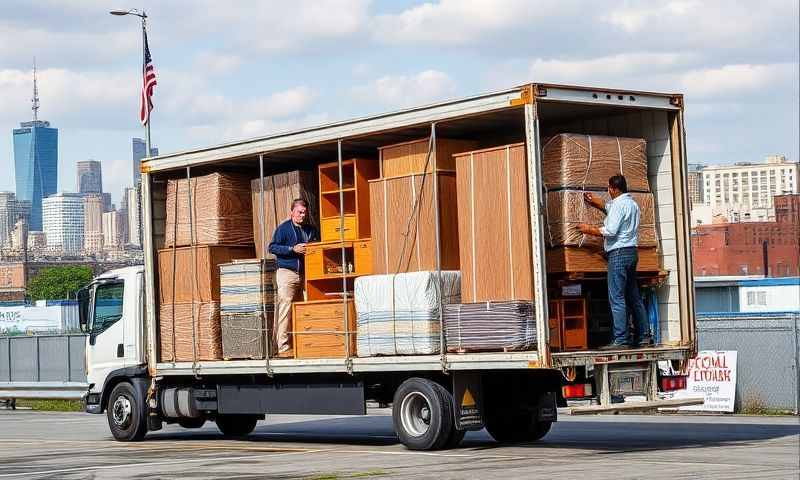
[(404, 239), (585, 260), (220, 214), (180, 323), (409, 157), (494, 225), (587, 161)]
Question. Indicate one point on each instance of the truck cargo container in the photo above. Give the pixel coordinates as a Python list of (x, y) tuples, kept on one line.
[(437, 397)]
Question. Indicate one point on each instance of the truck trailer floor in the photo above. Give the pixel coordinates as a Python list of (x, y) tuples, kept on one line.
[(77, 445)]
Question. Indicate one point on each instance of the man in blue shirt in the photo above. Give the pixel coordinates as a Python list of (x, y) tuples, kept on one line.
[(289, 247), (620, 232)]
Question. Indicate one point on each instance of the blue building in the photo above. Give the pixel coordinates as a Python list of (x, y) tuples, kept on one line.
[(36, 165), (139, 150)]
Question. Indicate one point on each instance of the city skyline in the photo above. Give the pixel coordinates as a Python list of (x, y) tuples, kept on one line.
[(735, 65)]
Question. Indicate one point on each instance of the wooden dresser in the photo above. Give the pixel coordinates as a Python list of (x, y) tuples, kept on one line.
[(318, 328)]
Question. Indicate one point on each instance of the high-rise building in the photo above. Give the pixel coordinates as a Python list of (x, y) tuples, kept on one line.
[(92, 224), (745, 191), (19, 235), (112, 234), (90, 177), (139, 151), (37, 241), (695, 183), (134, 216), (62, 216), (11, 211), (35, 165)]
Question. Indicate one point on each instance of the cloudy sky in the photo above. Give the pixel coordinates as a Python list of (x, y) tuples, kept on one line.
[(255, 67)]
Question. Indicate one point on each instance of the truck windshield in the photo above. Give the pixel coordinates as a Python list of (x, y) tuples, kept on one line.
[(107, 306)]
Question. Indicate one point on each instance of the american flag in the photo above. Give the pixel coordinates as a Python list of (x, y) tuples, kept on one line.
[(148, 83)]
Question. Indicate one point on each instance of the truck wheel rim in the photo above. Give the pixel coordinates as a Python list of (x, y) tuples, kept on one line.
[(415, 414), (121, 411)]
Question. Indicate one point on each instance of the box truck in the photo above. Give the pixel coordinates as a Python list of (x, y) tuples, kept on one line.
[(435, 397)]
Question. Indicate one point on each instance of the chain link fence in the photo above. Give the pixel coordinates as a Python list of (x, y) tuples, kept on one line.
[(768, 366)]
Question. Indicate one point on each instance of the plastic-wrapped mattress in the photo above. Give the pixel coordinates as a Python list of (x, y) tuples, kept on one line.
[(399, 314), (487, 326)]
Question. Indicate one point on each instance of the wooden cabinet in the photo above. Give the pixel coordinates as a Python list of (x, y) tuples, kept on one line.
[(324, 266), (320, 329), (349, 198), (408, 158), (403, 237), (568, 324)]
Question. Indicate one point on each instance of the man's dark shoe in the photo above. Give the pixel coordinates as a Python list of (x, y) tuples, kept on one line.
[(615, 346), (645, 342)]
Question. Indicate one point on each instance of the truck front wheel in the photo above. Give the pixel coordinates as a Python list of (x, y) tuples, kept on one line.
[(126, 416), (422, 414), (236, 425), (516, 427)]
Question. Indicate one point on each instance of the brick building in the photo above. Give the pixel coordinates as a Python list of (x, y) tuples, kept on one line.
[(738, 248)]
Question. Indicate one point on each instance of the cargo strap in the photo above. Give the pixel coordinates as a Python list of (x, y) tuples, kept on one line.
[(262, 224)]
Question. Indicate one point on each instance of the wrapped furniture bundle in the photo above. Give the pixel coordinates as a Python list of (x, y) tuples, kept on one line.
[(247, 299), (220, 213), (399, 314), (566, 209), (177, 333), (279, 192), (486, 326), (582, 162)]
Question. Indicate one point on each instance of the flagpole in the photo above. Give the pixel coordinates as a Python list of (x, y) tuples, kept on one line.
[(144, 64)]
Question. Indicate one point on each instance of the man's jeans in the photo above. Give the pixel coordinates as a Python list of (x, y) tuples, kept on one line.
[(623, 295)]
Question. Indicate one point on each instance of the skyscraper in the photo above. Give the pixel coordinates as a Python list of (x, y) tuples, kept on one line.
[(112, 234), (35, 165), (62, 216), (90, 177), (139, 149), (134, 216), (35, 160), (11, 211), (92, 224)]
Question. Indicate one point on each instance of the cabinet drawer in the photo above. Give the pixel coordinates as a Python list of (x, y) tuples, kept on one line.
[(363, 257), (321, 345), (331, 309), (306, 324), (332, 226)]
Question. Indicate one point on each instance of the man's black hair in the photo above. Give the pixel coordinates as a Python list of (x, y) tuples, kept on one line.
[(299, 201), (618, 182)]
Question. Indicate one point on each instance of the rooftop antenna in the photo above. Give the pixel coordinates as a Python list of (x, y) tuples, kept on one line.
[(35, 99)]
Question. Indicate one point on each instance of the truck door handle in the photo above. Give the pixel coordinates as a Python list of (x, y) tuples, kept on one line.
[(120, 350)]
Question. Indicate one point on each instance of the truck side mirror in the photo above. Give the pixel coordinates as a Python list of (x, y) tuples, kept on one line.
[(83, 307)]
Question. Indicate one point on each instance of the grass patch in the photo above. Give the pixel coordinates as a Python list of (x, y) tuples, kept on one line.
[(51, 405), (754, 405)]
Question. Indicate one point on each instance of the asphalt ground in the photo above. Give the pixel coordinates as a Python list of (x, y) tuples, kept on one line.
[(77, 445)]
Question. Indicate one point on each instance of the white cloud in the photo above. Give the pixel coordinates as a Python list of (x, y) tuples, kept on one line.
[(406, 90), (730, 80), (216, 63), (614, 68)]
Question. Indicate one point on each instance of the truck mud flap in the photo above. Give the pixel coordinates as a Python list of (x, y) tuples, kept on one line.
[(468, 401)]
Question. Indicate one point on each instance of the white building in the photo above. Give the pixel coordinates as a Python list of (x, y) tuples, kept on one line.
[(112, 231), (743, 191), (134, 217), (92, 224), (62, 221)]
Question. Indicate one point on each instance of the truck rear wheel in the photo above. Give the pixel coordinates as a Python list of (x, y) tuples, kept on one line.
[(126, 417), (516, 427), (422, 415), (236, 425)]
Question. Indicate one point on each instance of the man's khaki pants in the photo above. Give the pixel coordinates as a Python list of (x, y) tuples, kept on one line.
[(290, 289)]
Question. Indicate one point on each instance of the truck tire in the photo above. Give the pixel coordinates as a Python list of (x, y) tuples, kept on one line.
[(516, 427), (422, 414), (192, 422), (236, 425), (126, 416)]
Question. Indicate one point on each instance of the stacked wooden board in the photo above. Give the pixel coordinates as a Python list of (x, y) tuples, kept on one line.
[(488, 326), (279, 191), (247, 300)]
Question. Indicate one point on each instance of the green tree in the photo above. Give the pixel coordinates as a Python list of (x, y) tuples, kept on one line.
[(58, 283)]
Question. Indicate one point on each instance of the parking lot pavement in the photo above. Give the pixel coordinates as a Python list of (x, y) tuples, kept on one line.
[(76, 445)]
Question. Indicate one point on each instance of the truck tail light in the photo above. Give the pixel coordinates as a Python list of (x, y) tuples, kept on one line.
[(673, 382), (578, 390)]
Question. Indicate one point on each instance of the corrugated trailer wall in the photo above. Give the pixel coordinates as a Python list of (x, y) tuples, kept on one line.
[(653, 126)]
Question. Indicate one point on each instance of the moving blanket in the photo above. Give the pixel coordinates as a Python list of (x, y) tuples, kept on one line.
[(577, 161), (486, 326), (566, 209), (247, 294), (399, 314)]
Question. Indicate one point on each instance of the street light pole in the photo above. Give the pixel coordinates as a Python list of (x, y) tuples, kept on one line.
[(143, 16)]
